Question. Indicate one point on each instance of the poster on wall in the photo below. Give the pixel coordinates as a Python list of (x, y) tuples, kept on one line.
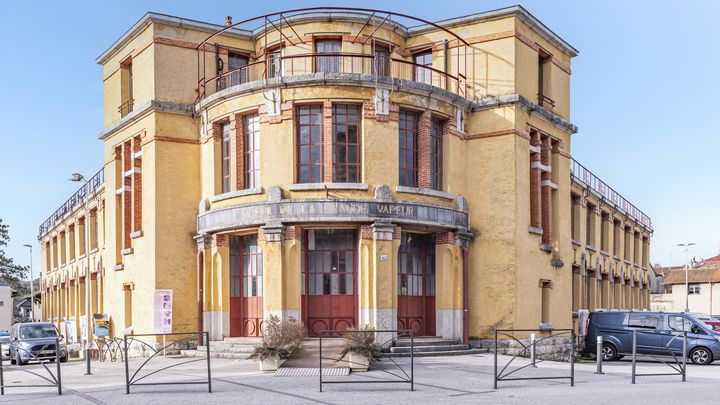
[(163, 311), (83, 328), (101, 325), (71, 330)]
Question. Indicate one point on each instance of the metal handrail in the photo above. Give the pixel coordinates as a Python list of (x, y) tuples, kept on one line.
[(584, 176), (74, 201)]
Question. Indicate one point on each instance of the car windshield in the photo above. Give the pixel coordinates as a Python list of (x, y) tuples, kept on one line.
[(37, 331)]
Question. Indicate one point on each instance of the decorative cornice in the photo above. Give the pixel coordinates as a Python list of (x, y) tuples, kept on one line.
[(143, 111)]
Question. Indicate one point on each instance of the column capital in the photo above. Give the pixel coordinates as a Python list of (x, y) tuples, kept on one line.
[(382, 230), (272, 232), (463, 237), (204, 241)]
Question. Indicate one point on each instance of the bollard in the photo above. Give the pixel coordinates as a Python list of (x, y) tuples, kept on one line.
[(685, 356), (634, 354), (532, 349), (599, 355)]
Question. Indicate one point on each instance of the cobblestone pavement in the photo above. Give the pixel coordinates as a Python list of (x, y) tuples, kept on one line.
[(462, 379)]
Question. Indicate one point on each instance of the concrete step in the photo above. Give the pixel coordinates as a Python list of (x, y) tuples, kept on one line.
[(437, 354), (423, 348), (230, 349), (426, 342), (214, 355)]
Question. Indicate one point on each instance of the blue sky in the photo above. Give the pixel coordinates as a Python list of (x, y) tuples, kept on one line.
[(644, 95)]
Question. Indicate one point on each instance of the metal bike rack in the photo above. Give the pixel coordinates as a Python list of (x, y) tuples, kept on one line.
[(399, 378), (135, 379), (680, 367), (530, 350), (55, 380)]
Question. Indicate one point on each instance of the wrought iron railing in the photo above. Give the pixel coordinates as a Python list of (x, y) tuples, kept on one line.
[(74, 201), (585, 177), (125, 108), (341, 62)]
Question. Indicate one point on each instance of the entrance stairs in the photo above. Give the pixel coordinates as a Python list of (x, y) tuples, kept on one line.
[(228, 348), (431, 346)]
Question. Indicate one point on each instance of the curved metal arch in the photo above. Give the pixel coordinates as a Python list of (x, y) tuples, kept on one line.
[(298, 10)]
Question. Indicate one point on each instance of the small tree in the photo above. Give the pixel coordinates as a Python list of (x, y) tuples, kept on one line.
[(280, 338), (10, 272)]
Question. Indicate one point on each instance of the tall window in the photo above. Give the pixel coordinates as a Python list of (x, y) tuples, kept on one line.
[(423, 61), (225, 153), (310, 144), (574, 214), (590, 225), (328, 64), (274, 63), (126, 87), (382, 60), (544, 79), (436, 152), (236, 61), (408, 129), (604, 223), (346, 143), (251, 144)]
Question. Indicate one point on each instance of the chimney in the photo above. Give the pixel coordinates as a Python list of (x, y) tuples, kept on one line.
[(228, 21)]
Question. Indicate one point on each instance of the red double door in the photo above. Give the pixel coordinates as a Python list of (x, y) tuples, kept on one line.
[(329, 271), (246, 286), (416, 283)]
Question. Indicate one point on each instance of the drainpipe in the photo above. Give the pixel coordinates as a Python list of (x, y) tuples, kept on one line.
[(200, 257), (466, 314)]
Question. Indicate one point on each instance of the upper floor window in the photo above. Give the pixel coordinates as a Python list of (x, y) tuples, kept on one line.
[(590, 225), (382, 60), (694, 289), (436, 153), (126, 87), (328, 64), (346, 143), (408, 134), (423, 63), (310, 144), (275, 63), (251, 146), (225, 161), (236, 62), (544, 59)]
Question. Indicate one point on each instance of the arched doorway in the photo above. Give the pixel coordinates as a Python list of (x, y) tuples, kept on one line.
[(246, 286)]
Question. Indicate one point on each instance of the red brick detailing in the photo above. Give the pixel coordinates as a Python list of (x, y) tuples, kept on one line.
[(137, 186), (424, 150), (366, 232), (327, 142), (496, 133), (237, 153), (292, 232), (287, 112), (369, 112), (127, 194), (397, 233), (444, 238), (546, 191), (535, 205), (220, 240)]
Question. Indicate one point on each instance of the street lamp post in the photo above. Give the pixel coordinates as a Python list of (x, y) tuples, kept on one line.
[(687, 266), (79, 177), (32, 288)]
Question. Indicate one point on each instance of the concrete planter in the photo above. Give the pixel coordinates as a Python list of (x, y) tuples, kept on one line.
[(270, 363), (359, 362)]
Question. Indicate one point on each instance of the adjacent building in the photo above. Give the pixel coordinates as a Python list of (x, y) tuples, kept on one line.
[(342, 167), (702, 293)]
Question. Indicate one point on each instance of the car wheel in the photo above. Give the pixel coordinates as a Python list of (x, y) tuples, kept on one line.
[(609, 352), (63, 359), (18, 360), (701, 355)]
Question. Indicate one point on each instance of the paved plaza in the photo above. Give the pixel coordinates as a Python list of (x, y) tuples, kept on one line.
[(462, 379)]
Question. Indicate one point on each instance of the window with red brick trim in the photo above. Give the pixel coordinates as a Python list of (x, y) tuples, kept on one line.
[(225, 155), (423, 61), (346, 143), (408, 132), (251, 146), (310, 144), (436, 153)]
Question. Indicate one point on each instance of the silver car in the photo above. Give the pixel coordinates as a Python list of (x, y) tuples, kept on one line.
[(36, 341)]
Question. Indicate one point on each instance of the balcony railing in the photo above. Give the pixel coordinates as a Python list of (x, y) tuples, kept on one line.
[(74, 201), (351, 63), (584, 176), (125, 108)]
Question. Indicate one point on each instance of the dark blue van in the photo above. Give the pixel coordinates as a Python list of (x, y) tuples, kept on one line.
[(659, 330)]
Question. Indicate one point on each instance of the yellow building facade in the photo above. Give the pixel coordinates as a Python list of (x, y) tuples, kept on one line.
[(345, 167)]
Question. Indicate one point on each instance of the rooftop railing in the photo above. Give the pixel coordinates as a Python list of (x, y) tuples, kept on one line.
[(585, 177), (74, 201)]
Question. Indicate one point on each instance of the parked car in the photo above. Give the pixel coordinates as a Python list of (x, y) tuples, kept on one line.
[(35, 341), (659, 335), (5, 343), (708, 319)]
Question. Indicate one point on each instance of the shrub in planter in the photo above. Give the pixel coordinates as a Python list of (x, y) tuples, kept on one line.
[(280, 340), (361, 348)]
